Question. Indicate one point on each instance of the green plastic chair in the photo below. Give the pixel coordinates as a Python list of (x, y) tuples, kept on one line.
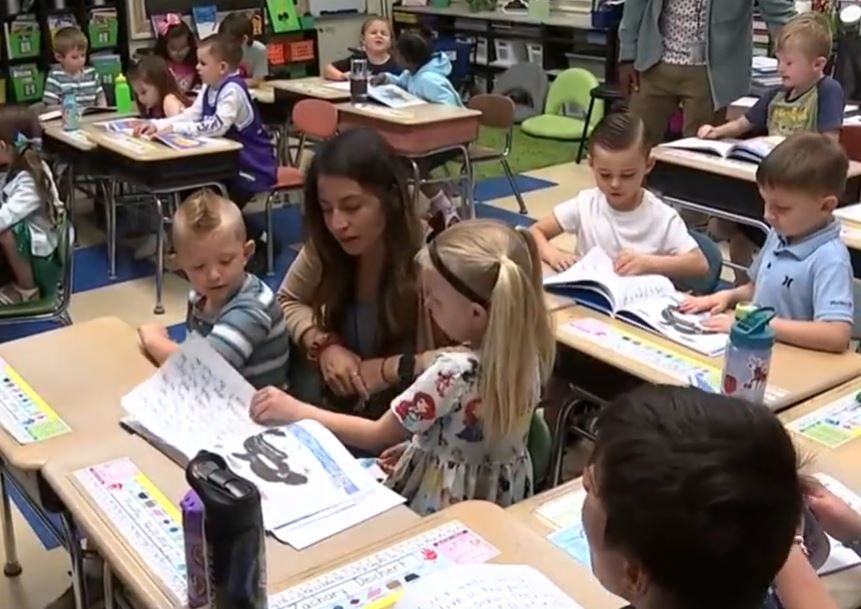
[(539, 445), (56, 290), (571, 87)]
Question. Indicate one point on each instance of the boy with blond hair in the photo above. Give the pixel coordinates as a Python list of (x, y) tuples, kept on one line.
[(803, 270), (807, 99), (233, 309), (72, 76)]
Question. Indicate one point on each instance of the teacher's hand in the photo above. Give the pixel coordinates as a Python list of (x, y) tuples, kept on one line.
[(340, 368), (629, 78)]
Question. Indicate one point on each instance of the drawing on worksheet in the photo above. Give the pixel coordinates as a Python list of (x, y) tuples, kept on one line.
[(386, 573), (149, 523), (23, 413), (565, 513), (833, 424), (655, 356), (310, 485), (486, 587)]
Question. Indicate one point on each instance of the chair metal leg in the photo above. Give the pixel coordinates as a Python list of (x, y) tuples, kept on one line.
[(108, 583), (517, 194), (76, 554), (585, 133), (11, 567), (64, 319), (470, 185), (417, 182), (560, 437), (70, 203), (108, 187), (159, 257), (270, 237)]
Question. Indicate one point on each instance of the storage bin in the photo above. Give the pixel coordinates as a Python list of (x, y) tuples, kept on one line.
[(301, 50), (535, 53), (103, 33)]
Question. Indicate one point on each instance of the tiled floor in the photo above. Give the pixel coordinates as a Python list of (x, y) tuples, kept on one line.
[(44, 576)]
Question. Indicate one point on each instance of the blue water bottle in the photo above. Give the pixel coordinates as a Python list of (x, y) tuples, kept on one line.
[(71, 113), (748, 355)]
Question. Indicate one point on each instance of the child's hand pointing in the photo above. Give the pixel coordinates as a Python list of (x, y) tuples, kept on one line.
[(271, 405)]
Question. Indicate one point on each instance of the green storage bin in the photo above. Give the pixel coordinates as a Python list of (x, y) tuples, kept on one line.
[(27, 82), (440, 3), (107, 67), (24, 41), (103, 34), (2, 90)]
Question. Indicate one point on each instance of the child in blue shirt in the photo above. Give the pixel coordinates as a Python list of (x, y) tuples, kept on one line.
[(693, 501), (803, 270), (426, 76)]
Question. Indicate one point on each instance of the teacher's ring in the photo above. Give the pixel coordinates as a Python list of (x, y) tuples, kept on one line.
[(354, 374)]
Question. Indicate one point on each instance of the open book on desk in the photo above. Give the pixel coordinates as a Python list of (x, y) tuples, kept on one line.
[(753, 150), (57, 113), (126, 126), (310, 485), (648, 301)]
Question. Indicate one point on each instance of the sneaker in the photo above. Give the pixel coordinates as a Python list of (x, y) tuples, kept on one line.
[(12, 294)]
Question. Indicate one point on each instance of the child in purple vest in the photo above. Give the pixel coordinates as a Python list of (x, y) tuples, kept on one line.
[(224, 108)]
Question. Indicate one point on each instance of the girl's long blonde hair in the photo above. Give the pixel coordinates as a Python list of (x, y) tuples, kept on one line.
[(501, 266)]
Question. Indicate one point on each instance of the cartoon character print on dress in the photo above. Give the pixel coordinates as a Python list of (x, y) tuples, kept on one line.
[(471, 431), (421, 408), (268, 462)]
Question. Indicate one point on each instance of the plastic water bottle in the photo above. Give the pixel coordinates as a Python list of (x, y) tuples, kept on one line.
[(71, 113), (122, 94), (233, 529), (748, 355)]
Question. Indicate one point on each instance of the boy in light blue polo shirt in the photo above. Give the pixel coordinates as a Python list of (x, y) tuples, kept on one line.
[(803, 269)]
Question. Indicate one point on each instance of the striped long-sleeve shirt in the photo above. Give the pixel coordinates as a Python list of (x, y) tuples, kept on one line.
[(85, 86), (249, 332)]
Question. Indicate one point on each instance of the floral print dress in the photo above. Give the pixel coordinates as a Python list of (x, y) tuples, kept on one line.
[(449, 459)]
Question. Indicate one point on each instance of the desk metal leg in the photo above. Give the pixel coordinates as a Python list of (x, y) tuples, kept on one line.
[(159, 257), (70, 202), (76, 554), (108, 186), (12, 567), (470, 187), (108, 582)]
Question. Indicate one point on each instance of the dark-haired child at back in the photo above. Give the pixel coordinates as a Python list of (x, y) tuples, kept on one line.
[(803, 270), (693, 501), (638, 231)]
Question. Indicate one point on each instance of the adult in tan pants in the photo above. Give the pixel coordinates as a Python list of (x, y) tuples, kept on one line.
[(693, 53)]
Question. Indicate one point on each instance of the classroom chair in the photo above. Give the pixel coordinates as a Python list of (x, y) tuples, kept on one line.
[(571, 87), (56, 287), (850, 140), (540, 445), (526, 84), (714, 257), (497, 112), (311, 118), (608, 95)]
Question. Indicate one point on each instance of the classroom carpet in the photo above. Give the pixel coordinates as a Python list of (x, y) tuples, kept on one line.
[(91, 282)]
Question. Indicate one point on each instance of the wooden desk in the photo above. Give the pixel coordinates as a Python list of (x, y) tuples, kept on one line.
[(316, 87), (516, 543), (416, 130), (283, 563), (143, 150), (801, 373)]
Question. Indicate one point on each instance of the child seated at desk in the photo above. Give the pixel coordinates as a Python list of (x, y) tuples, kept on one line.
[(30, 209), (469, 413), (693, 501), (637, 230), (156, 91), (425, 75), (803, 270), (808, 100), (72, 76), (233, 309), (255, 59), (224, 108), (376, 47), (177, 45)]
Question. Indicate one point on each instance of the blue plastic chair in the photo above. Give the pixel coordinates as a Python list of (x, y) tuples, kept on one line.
[(714, 257)]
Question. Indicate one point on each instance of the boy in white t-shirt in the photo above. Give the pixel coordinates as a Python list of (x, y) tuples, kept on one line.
[(638, 231)]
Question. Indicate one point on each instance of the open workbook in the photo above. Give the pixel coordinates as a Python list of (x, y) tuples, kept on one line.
[(648, 301), (311, 487), (393, 96), (753, 150), (126, 126)]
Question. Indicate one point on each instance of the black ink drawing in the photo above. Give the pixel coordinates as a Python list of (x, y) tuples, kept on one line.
[(681, 323), (268, 462)]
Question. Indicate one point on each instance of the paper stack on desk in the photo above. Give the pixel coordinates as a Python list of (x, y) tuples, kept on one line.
[(311, 487)]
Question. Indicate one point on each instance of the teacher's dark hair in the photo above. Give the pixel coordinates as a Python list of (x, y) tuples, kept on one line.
[(363, 156)]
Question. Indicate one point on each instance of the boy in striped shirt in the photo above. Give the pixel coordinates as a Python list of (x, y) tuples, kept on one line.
[(233, 309), (73, 76)]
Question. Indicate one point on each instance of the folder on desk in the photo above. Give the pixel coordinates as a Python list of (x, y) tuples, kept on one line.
[(650, 302)]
